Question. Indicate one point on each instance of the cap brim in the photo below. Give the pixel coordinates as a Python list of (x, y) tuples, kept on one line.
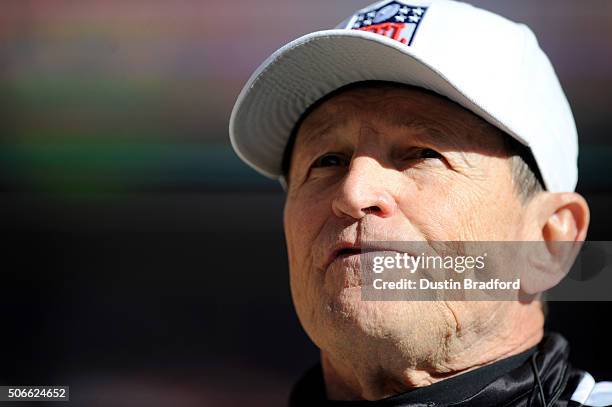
[(305, 70)]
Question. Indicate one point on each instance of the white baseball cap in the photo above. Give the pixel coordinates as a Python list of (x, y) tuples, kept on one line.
[(482, 61)]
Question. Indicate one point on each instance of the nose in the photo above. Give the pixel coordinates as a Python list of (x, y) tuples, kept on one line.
[(365, 190)]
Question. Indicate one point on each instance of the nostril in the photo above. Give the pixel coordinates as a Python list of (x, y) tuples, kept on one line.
[(371, 209)]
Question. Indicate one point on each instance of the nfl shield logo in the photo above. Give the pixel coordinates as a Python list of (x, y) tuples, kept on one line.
[(393, 19)]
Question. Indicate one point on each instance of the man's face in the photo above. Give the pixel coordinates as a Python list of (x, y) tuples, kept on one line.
[(390, 164)]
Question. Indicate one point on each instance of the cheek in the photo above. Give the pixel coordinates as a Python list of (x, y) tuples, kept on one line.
[(439, 219), (304, 217), (303, 220), (435, 205), (453, 207), (490, 215)]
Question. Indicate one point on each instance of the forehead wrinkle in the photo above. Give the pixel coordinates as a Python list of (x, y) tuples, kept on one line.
[(460, 132), (424, 112), (350, 105), (323, 120), (408, 111), (426, 130)]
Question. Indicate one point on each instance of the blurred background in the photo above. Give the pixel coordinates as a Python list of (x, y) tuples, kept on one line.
[(122, 201)]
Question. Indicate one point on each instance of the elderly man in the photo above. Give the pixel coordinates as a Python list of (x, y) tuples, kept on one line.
[(427, 122)]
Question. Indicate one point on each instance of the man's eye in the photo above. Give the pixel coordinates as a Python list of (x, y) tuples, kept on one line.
[(428, 153), (330, 160), (420, 155), (423, 154)]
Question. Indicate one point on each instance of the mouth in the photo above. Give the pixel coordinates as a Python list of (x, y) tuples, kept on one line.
[(342, 252), (348, 251)]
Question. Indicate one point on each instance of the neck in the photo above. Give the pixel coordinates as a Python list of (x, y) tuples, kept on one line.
[(345, 379)]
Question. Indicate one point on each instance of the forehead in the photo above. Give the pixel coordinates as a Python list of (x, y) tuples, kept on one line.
[(383, 104)]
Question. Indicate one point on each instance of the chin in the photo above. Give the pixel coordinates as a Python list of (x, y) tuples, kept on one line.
[(348, 313)]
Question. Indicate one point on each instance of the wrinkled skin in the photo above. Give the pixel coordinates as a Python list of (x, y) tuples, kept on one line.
[(401, 164)]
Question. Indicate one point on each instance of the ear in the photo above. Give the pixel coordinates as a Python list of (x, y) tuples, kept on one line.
[(564, 216), (561, 221)]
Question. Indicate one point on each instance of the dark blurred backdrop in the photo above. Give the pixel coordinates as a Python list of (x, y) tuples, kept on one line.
[(143, 263)]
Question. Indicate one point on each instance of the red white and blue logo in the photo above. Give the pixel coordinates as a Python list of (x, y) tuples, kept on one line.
[(393, 19)]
